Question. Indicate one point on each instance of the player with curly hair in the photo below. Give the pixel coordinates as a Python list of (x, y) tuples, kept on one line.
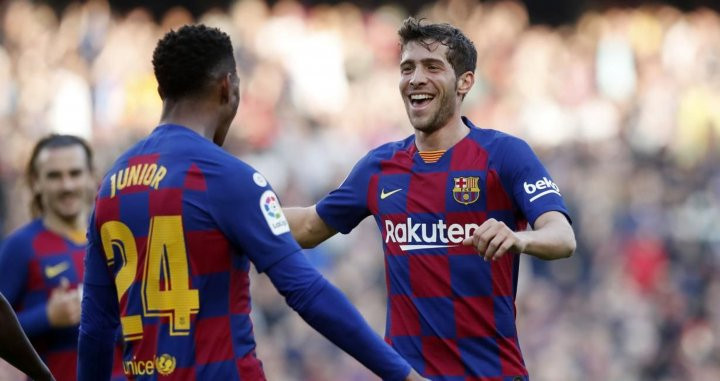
[(177, 223)]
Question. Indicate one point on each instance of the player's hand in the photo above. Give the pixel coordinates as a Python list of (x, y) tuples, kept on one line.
[(414, 376), (63, 306), (493, 239)]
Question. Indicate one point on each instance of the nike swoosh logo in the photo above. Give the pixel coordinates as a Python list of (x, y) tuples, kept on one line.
[(384, 195), (53, 271)]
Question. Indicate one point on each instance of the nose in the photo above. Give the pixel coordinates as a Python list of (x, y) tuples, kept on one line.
[(417, 78), (68, 182)]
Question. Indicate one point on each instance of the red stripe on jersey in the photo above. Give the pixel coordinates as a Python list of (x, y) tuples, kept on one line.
[(107, 209), (510, 358), (474, 316), (502, 275), (468, 154), (143, 159), (213, 340), (146, 348), (404, 317), (372, 194), (179, 374), (166, 202), (77, 257), (35, 279), (497, 198), (430, 275), (476, 217), (48, 243), (442, 357), (194, 179), (400, 163), (427, 192), (250, 368), (62, 365), (239, 292), (392, 248), (208, 251)]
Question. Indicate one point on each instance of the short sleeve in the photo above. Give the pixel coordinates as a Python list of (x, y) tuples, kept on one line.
[(248, 212), (345, 207), (533, 190)]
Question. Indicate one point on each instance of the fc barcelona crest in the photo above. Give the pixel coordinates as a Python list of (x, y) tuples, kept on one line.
[(466, 190)]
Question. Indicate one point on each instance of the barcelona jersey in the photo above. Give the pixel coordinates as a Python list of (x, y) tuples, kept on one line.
[(33, 261), (450, 313), (176, 223)]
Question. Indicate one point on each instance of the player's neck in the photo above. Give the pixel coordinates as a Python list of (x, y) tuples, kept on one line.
[(442, 138), (191, 114), (66, 227)]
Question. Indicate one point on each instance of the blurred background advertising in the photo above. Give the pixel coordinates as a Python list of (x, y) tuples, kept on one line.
[(620, 99)]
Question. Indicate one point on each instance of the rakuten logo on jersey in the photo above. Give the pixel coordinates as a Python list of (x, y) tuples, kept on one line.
[(418, 236), (544, 186)]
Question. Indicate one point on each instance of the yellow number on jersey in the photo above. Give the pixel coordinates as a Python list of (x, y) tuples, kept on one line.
[(166, 256), (118, 235), (165, 283)]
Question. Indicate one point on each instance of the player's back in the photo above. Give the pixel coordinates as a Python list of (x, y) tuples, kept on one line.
[(182, 283)]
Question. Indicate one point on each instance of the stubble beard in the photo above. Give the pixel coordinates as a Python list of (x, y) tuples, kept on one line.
[(440, 118)]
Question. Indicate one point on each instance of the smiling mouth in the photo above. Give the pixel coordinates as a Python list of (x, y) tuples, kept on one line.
[(420, 100)]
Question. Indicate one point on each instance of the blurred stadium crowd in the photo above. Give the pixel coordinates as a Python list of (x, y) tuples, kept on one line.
[(623, 107)]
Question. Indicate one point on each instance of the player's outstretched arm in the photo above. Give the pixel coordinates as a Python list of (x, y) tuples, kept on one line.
[(552, 238), (307, 227), (329, 312), (15, 347)]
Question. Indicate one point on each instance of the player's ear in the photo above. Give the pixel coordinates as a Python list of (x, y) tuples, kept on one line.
[(225, 88), (465, 82), (160, 93)]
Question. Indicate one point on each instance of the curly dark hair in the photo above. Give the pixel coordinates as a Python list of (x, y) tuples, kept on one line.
[(52, 141), (186, 60), (461, 51)]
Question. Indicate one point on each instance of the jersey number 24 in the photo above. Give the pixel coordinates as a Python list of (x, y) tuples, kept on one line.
[(165, 281)]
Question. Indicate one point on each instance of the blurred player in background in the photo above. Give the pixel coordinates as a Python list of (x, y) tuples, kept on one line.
[(440, 197), (42, 261), (15, 347), (175, 227)]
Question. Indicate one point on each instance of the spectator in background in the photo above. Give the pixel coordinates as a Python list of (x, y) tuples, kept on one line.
[(42, 262)]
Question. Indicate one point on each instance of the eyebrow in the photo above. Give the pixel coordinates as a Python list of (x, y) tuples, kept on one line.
[(424, 60)]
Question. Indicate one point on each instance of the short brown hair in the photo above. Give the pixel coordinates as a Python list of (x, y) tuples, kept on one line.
[(461, 51)]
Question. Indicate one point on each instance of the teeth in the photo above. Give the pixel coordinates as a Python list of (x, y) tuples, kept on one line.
[(418, 97)]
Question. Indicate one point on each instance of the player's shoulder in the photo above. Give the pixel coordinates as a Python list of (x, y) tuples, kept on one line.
[(23, 236), (494, 140), (391, 150)]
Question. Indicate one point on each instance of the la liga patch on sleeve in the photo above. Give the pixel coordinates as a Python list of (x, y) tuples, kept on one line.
[(270, 207)]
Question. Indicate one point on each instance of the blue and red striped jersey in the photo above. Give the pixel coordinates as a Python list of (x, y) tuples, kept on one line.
[(33, 260), (450, 313), (176, 223)]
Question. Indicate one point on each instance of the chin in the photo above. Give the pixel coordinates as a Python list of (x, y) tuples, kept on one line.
[(424, 126)]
